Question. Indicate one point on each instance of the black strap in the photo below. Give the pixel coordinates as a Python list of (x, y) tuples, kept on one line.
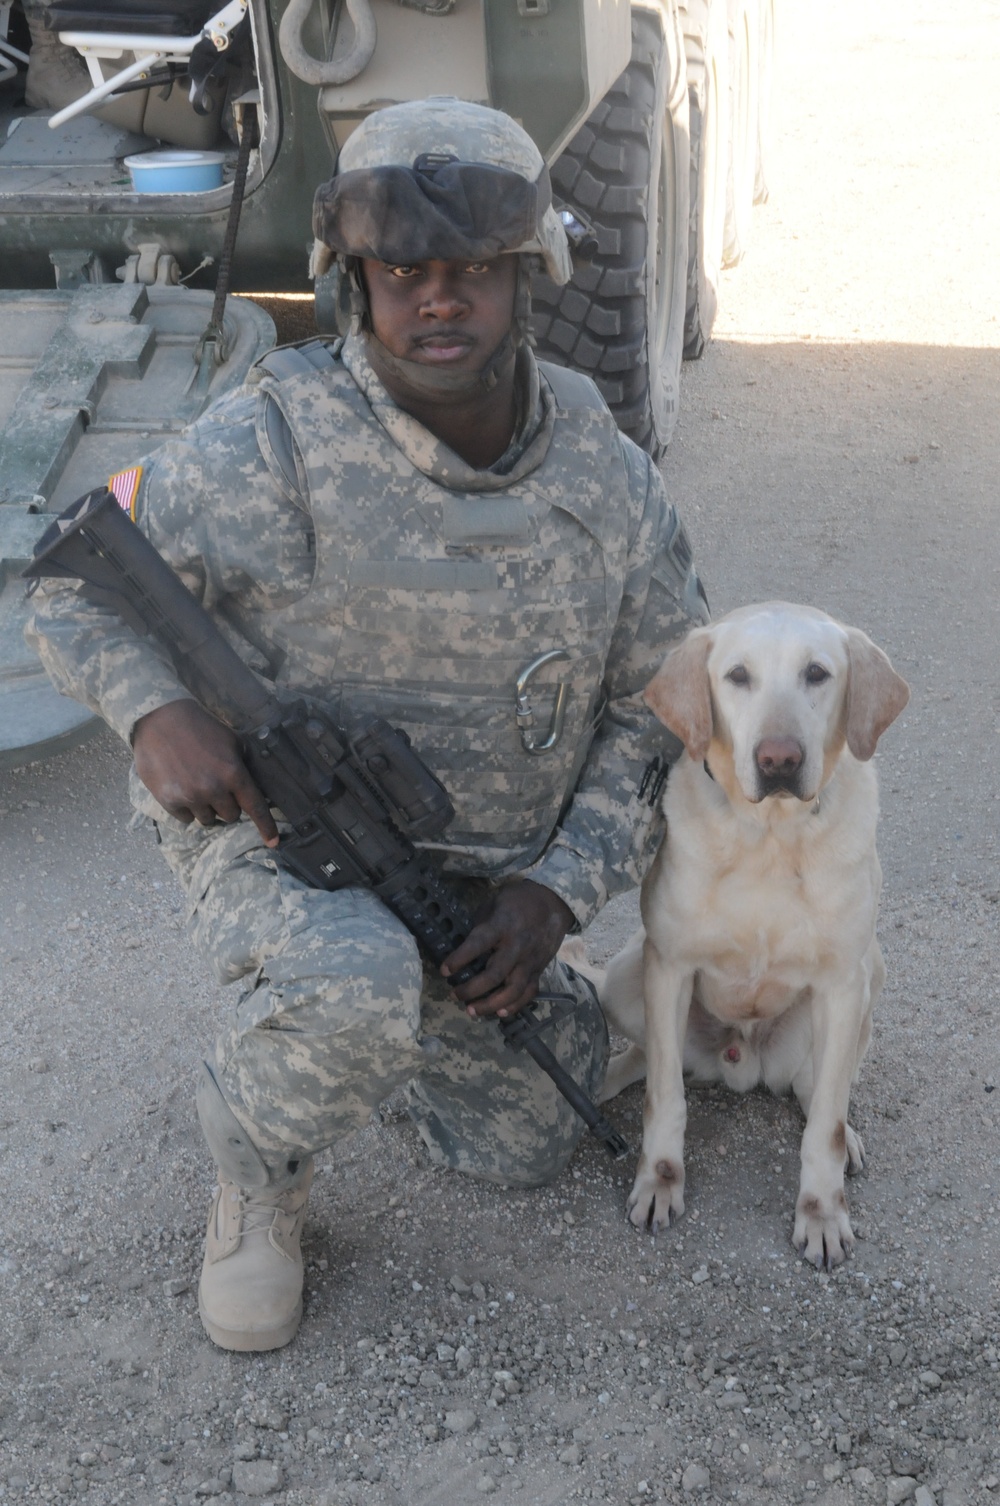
[(210, 352), (248, 140), (654, 777)]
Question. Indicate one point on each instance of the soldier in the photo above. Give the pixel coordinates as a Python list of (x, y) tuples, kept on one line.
[(401, 523)]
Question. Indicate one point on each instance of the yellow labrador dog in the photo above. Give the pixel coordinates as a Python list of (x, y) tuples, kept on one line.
[(758, 961)]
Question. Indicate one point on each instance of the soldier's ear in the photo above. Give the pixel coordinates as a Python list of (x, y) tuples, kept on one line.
[(679, 693)]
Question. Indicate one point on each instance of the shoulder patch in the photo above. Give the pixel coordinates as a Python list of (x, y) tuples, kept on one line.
[(125, 486)]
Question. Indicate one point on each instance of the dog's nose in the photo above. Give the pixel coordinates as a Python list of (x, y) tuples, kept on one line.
[(779, 757)]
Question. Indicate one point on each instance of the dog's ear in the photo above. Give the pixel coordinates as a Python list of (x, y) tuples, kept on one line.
[(875, 694), (679, 693)]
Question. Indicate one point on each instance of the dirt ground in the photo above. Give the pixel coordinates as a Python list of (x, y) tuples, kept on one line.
[(838, 445)]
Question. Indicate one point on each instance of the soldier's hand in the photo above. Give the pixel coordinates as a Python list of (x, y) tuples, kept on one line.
[(519, 930), (192, 764)]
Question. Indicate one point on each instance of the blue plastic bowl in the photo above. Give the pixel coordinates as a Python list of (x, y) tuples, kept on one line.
[(175, 171)]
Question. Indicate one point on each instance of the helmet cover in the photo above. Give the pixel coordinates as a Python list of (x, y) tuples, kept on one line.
[(441, 179)]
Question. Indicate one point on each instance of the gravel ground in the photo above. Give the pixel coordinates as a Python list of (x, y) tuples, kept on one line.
[(838, 445)]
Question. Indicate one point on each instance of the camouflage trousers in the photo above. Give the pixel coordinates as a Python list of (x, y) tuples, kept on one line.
[(339, 1011)]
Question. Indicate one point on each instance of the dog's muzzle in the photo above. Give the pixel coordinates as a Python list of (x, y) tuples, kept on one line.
[(779, 761)]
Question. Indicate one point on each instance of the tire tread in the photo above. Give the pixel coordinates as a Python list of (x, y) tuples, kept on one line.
[(604, 171)]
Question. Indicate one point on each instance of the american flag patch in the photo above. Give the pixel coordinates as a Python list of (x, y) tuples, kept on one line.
[(125, 486)]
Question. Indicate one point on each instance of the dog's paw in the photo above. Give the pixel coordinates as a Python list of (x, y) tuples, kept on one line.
[(823, 1233), (657, 1196), (856, 1156)]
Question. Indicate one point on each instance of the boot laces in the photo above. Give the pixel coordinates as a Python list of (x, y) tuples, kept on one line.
[(260, 1208)]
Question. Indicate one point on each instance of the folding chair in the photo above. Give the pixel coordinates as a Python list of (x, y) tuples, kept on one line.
[(10, 55), (155, 38)]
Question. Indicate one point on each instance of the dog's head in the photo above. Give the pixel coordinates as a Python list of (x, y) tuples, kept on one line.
[(769, 695)]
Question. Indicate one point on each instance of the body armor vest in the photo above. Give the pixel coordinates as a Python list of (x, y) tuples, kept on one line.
[(429, 599)]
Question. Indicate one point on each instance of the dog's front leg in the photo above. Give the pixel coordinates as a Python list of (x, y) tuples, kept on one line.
[(822, 1232), (657, 1195)]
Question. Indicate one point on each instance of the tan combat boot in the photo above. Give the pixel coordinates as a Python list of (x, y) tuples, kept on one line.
[(250, 1295)]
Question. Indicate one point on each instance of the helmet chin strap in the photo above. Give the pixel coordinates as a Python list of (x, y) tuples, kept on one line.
[(417, 380)]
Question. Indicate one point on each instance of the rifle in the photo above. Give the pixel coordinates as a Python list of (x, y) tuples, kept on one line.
[(353, 805)]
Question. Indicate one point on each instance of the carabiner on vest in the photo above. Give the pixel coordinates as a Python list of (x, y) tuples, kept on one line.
[(525, 715)]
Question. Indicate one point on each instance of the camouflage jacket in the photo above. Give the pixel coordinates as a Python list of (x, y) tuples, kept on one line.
[(350, 555)]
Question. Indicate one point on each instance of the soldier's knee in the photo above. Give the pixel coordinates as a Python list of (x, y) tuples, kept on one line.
[(592, 1032), (544, 1165), (503, 1120), (523, 1160)]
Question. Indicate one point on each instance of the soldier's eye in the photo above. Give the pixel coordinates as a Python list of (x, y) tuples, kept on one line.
[(738, 675), (404, 270), (478, 266)]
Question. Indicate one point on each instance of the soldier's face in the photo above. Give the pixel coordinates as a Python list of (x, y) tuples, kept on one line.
[(449, 314)]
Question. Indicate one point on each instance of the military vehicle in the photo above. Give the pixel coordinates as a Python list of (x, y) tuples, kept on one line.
[(135, 133)]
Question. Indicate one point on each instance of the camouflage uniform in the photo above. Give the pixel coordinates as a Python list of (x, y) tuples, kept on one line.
[(351, 555)]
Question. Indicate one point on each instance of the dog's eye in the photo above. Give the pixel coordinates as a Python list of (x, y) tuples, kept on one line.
[(816, 674), (738, 675)]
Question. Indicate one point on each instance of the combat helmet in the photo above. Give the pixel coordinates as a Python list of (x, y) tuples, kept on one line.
[(437, 178)]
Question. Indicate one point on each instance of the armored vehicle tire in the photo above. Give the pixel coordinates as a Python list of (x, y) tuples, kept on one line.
[(621, 319), (706, 46), (744, 82), (765, 70)]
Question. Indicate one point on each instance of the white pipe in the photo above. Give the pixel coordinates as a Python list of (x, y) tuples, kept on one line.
[(13, 52), (114, 43), (94, 96)]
